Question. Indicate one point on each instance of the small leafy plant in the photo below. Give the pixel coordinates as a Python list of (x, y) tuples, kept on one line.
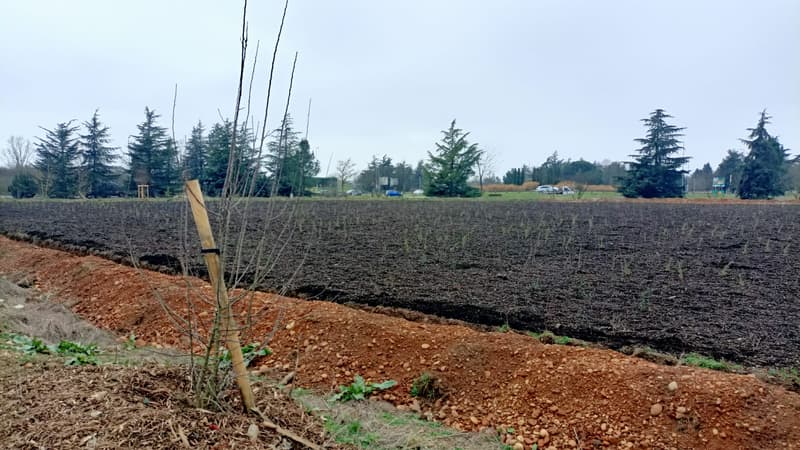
[(359, 389), (30, 346), (79, 354), (250, 352), (130, 342)]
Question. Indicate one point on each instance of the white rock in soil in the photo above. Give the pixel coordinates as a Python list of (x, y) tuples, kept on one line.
[(656, 409), (252, 432)]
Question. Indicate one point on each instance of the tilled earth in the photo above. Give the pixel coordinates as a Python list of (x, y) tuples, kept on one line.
[(718, 279), (551, 395)]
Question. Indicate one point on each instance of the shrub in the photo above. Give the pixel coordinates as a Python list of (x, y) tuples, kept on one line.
[(23, 185)]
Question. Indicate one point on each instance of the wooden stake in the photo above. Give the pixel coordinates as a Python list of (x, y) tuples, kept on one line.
[(230, 329)]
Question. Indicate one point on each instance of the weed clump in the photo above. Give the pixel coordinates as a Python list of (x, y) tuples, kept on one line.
[(427, 386)]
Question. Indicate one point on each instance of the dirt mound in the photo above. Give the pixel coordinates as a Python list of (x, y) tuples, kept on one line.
[(552, 395)]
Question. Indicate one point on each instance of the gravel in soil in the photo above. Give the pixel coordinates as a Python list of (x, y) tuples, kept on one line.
[(551, 395)]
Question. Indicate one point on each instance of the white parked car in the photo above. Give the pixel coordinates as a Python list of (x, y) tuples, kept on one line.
[(547, 189), (566, 190), (418, 192)]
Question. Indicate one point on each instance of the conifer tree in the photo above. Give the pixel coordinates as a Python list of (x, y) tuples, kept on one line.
[(196, 155), (153, 158), (290, 162), (451, 164), (655, 171), (765, 165), (97, 174), (57, 161)]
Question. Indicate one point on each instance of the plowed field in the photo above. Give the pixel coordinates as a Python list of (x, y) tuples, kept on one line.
[(722, 280)]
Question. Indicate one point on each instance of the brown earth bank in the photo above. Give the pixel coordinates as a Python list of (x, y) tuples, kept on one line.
[(554, 396)]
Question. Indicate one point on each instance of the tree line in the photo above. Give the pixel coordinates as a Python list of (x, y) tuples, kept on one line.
[(71, 161)]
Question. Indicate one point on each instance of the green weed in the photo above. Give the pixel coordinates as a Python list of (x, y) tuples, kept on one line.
[(426, 386), (698, 360), (789, 375), (359, 389), (250, 352)]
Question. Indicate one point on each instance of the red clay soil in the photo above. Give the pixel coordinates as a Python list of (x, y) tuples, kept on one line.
[(557, 396)]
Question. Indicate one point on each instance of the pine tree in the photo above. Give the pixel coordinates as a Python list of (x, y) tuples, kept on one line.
[(57, 161), (196, 155), (290, 162), (451, 165), (97, 174), (766, 164), (23, 185), (219, 145), (655, 173), (218, 155), (153, 157), (730, 170)]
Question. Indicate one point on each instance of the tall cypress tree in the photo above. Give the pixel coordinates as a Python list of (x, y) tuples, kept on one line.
[(153, 157), (57, 161), (766, 164), (219, 146), (97, 175), (196, 154), (655, 172)]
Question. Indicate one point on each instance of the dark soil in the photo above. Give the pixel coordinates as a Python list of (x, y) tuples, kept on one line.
[(505, 385), (721, 280)]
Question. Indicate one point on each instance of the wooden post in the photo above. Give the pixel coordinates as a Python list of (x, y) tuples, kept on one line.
[(230, 329)]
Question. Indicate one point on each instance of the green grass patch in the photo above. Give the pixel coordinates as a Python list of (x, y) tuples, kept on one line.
[(350, 433), (788, 375), (698, 360), (504, 328)]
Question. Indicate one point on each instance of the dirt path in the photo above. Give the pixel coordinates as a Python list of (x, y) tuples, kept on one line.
[(556, 396)]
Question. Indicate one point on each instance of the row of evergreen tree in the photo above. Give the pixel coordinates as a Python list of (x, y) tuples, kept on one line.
[(657, 168), (70, 164)]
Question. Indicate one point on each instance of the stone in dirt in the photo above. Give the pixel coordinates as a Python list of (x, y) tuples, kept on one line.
[(673, 386), (252, 432), (656, 409)]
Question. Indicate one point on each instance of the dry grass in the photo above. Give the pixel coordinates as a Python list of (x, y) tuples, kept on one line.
[(379, 425)]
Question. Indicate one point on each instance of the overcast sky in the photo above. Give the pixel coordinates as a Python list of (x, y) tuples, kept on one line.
[(524, 77)]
